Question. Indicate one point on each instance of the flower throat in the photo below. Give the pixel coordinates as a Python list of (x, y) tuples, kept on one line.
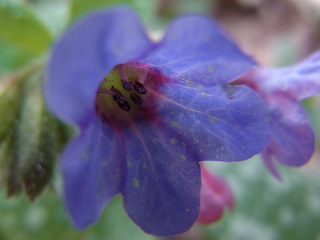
[(127, 93)]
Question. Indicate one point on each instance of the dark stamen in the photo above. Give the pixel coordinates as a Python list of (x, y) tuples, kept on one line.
[(136, 99), (125, 106), (139, 87), (119, 98), (126, 85)]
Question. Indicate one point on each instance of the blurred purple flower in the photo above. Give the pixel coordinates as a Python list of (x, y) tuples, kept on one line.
[(292, 139), (148, 113), (215, 195)]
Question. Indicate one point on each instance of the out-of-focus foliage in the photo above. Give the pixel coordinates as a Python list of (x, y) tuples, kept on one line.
[(23, 37), (12, 57), (80, 7), (146, 8), (46, 219), (269, 209), (265, 209), (18, 26)]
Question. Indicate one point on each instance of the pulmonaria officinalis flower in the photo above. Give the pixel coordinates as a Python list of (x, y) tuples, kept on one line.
[(148, 113), (292, 139), (215, 195)]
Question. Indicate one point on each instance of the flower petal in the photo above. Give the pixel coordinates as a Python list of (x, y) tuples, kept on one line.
[(300, 81), (292, 139), (306, 81), (83, 57), (92, 173), (222, 123), (195, 48), (162, 190), (270, 163)]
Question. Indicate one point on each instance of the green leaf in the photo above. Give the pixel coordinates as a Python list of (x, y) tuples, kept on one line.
[(10, 96), (12, 57), (9, 168), (146, 9), (36, 139), (38, 166), (53, 14), (11, 92), (20, 27), (30, 136), (80, 7)]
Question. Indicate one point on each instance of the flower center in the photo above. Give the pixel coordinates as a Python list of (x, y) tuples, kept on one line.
[(127, 94)]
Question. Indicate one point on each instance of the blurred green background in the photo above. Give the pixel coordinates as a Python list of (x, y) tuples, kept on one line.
[(274, 32)]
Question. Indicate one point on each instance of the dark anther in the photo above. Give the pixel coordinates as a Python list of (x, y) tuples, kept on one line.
[(136, 99), (127, 85), (124, 106), (139, 87), (122, 102)]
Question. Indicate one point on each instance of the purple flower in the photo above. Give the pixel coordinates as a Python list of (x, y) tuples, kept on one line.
[(147, 114), (292, 139)]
